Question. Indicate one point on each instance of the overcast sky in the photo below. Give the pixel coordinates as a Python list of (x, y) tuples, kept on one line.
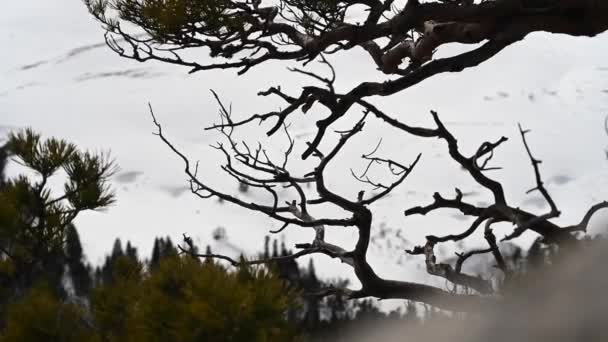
[(57, 76)]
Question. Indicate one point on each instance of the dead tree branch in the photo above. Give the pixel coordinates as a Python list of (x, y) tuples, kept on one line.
[(241, 35)]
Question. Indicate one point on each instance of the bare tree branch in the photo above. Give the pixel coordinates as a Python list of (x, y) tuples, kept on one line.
[(446, 271), (402, 43)]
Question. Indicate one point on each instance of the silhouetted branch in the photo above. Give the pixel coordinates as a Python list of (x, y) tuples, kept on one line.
[(446, 271), (491, 239), (442, 203), (582, 226), (197, 186), (462, 257), (522, 226), (394, 167), (241, 35), (539, 182)]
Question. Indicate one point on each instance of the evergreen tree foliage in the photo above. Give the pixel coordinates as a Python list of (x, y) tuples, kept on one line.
[(155, 258), (3, 162), (117, 250), (131, 252), (79, 271), (105, 274), (244, 305), (113, 303), (183, 299), (41, 316), (163, 247), (167, 248), (35, 220)]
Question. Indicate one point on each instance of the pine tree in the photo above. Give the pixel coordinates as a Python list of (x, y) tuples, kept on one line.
[(41, 316), (117, 250), (131, 252), (266, 254), (106, 274), (155, 257), (313, 304), (79, 272), (186, 300), (168, 248), (275, 249), (105, 271), (312, 274), (3, 162), (35, 223)]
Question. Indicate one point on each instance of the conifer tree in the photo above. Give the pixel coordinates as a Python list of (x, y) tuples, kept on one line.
[(185, 300), (167, 247), (35, 220), (41, 316), (131, 251), (79, 271), (155, 257), (117, 250), (3, 162)]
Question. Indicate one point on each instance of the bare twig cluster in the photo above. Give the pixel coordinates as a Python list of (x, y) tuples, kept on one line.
[(254, 167)]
